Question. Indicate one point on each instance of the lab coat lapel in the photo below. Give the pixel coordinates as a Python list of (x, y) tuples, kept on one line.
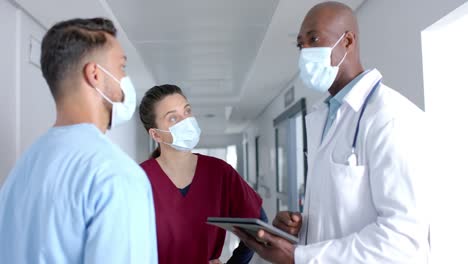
[(353, 101), (315, 122)]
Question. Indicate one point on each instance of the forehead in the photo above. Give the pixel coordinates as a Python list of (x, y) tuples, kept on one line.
[(317, 21), (170, 103)]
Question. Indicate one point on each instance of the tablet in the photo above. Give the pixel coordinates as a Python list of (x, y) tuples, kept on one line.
[(250, 226)]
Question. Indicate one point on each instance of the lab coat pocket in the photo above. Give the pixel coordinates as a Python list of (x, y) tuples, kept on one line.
[(345, 172), (350, 185)]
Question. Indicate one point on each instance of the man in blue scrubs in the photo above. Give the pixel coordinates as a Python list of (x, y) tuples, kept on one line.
[(75, 197)]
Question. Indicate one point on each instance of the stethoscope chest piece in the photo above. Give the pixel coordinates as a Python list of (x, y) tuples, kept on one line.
[(352, 159)]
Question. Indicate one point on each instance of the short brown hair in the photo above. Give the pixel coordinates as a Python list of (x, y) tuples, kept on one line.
[(67, 43)]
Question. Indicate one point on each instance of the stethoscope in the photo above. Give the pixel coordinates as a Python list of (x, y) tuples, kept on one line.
[(352, 159)]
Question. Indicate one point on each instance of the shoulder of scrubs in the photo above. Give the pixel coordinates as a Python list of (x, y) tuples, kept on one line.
[(120, 198), (97, 199), (242, 199), (393, 134)]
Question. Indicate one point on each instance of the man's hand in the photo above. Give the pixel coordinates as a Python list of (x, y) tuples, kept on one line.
[(215, 261), (273, 249), (288, 222)]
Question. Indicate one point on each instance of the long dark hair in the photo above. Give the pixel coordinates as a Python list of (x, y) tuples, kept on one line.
[(148, 105)]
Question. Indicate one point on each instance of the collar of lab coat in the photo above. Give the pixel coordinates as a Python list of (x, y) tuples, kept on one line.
[(358, 94)]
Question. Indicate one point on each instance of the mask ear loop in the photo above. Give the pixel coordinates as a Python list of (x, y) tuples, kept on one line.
[(152, 133), (113, 77), (108, 73), (344, 57), (104, 96), (342, 36), (165, 131)]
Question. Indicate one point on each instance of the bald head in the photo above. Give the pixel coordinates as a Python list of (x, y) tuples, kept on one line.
[(327, 22), (337, 16), (333, 24)]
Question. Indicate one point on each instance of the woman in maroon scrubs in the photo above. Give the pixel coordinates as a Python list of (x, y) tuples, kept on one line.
[(188, 188)]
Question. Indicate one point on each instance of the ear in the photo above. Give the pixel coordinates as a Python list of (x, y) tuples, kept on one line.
[(92, 75), (350, 40), (154, 135)]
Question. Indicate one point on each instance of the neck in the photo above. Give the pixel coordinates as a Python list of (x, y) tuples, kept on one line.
[(72, 111), (180, 167), (345, 78), (175, 159)]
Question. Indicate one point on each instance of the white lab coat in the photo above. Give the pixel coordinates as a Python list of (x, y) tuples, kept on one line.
[(374, 212)]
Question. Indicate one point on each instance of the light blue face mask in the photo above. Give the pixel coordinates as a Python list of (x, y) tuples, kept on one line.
[(315, 67), (185, 134)]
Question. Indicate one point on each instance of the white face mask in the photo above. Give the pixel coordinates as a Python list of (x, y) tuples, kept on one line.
[(315, 67), (185, 134), (121, 111)]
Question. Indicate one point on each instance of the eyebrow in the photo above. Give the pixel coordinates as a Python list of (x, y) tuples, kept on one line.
[(307, 33), (170, 112), (174, 111)]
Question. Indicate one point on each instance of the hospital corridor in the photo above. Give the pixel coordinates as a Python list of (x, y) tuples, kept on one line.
[(233, 131)]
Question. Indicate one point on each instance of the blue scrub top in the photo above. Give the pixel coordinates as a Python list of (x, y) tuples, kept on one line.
[(75, 197)]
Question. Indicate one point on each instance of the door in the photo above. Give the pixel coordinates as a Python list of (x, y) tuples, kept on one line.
[(290, 158)]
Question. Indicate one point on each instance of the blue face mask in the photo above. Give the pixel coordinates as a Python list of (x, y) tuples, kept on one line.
[(185, 134), (315, 67)]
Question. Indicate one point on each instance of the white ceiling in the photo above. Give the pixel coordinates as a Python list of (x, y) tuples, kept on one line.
[(206, 47), (230, 57)]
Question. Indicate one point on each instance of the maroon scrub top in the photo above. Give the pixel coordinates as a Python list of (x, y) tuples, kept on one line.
[(217, 190)]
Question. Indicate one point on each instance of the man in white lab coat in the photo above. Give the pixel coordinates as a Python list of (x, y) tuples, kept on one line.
[(364, 196)]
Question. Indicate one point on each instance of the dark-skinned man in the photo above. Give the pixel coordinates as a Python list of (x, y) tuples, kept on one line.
[(364, 197)]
